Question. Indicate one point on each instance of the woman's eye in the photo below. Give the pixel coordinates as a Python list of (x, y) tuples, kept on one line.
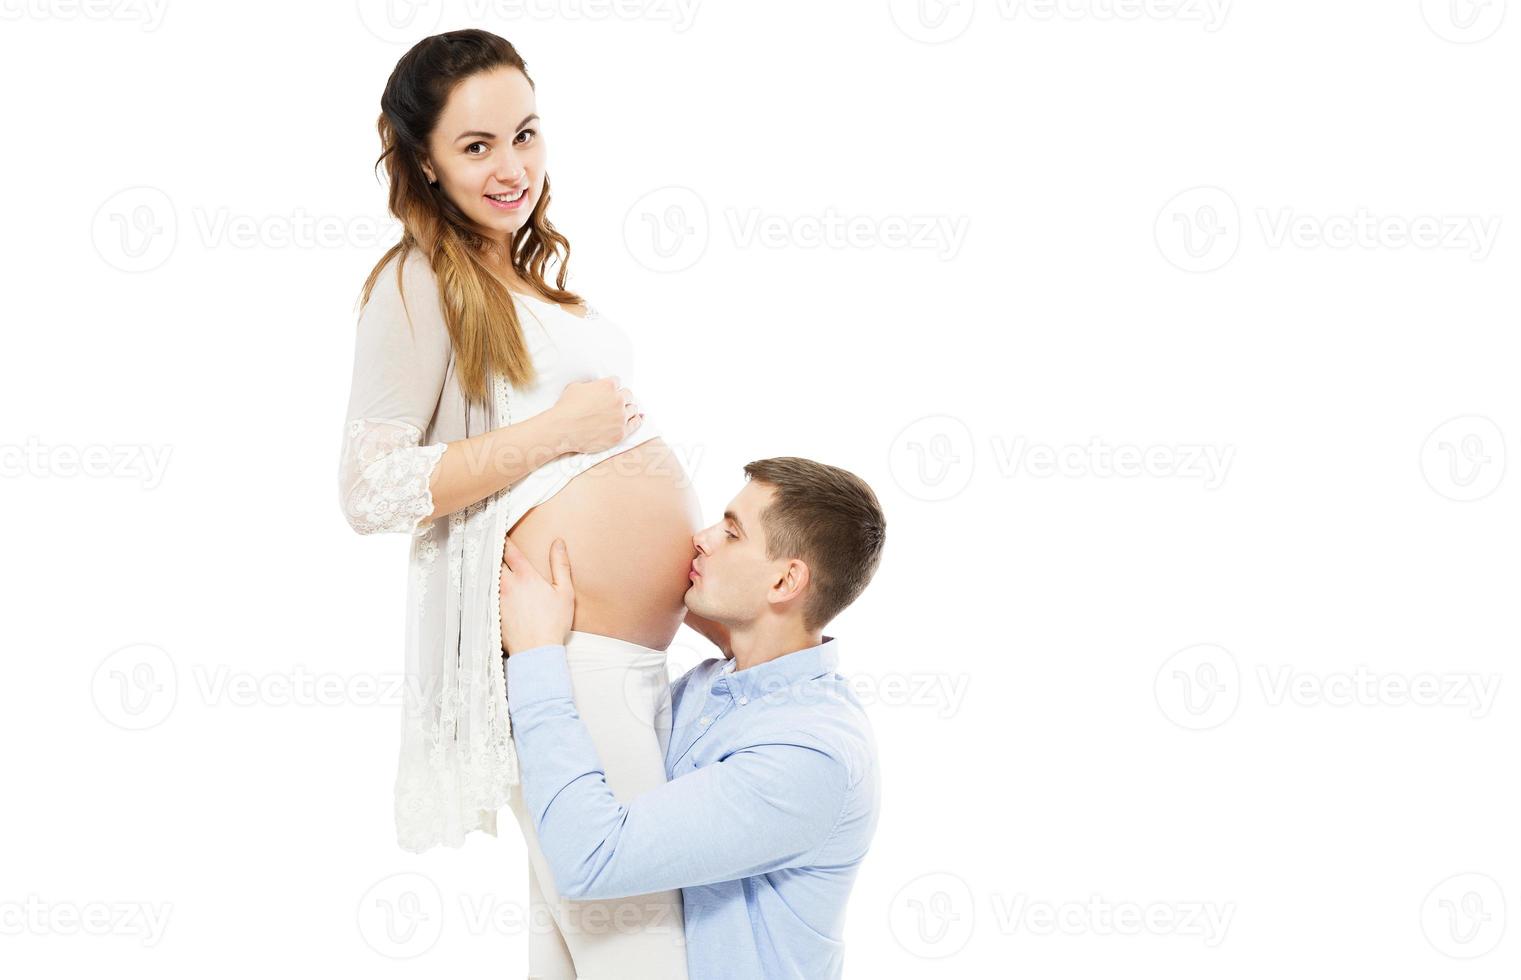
[(731, 534), (526, 132), (473, 146)]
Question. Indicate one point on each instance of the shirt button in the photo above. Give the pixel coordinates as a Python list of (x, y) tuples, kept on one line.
[(744, 700), (705, 720)]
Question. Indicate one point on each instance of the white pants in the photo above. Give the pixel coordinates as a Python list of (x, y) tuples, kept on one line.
[(623, 696)]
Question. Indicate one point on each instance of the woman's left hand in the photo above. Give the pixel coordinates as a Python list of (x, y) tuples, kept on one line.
[(536, 612)]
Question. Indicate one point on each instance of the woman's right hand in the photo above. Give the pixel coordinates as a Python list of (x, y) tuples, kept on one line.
[(595, 415)]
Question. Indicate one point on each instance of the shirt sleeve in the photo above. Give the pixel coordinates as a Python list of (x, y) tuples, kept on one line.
[(401, 357), (764, 808)]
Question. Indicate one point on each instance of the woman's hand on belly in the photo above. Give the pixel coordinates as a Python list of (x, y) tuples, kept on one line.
[(595, 415)]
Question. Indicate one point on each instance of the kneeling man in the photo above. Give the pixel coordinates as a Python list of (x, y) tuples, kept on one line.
[(772, 799)]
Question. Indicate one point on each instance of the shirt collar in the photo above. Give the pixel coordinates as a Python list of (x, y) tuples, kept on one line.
[(784, 671)]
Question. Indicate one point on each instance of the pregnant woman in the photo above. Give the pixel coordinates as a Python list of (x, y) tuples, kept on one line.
[(486, 403)]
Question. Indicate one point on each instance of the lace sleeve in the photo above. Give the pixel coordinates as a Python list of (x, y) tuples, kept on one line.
[(384, 475), (401, 357)]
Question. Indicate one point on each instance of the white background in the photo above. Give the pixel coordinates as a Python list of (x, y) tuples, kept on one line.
[(1167, 722)]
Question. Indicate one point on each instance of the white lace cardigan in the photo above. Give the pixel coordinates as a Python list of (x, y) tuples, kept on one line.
[(457, 763)]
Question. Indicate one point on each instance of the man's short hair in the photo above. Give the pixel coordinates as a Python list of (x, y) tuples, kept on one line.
[(831, 520)]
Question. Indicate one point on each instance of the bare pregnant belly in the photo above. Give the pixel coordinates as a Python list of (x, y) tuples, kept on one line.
[(628, 524)]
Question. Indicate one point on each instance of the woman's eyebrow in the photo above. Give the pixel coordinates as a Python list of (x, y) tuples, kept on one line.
[(481, 134)]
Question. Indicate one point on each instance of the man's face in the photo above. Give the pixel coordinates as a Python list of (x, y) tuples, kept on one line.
[(734, 574)]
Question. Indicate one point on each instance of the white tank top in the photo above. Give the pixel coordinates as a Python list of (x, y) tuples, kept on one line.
[(565, 348)]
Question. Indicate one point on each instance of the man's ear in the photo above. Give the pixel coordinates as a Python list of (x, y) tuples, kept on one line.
[(794, 579)]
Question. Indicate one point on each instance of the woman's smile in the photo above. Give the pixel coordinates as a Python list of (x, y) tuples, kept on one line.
[(504, 202)]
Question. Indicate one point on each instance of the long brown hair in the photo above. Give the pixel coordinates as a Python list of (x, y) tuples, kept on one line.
[(482, 320)]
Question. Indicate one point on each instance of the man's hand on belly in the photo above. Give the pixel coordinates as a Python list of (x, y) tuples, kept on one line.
[(535, 612)]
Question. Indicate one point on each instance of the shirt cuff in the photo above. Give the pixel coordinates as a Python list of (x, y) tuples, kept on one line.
[(537, 674)]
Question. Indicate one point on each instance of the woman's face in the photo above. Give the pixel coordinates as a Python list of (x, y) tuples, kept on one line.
[(487, 147)]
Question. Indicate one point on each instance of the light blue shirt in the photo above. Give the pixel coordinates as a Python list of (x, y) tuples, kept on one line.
[(771, 805)]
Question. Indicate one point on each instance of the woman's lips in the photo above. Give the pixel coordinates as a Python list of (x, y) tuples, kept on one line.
[(509, 206)]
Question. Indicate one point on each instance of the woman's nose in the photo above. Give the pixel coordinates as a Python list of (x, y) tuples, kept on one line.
[(510, 172)]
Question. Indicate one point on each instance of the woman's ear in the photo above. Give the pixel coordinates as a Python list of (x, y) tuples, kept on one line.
[(428, 172)]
